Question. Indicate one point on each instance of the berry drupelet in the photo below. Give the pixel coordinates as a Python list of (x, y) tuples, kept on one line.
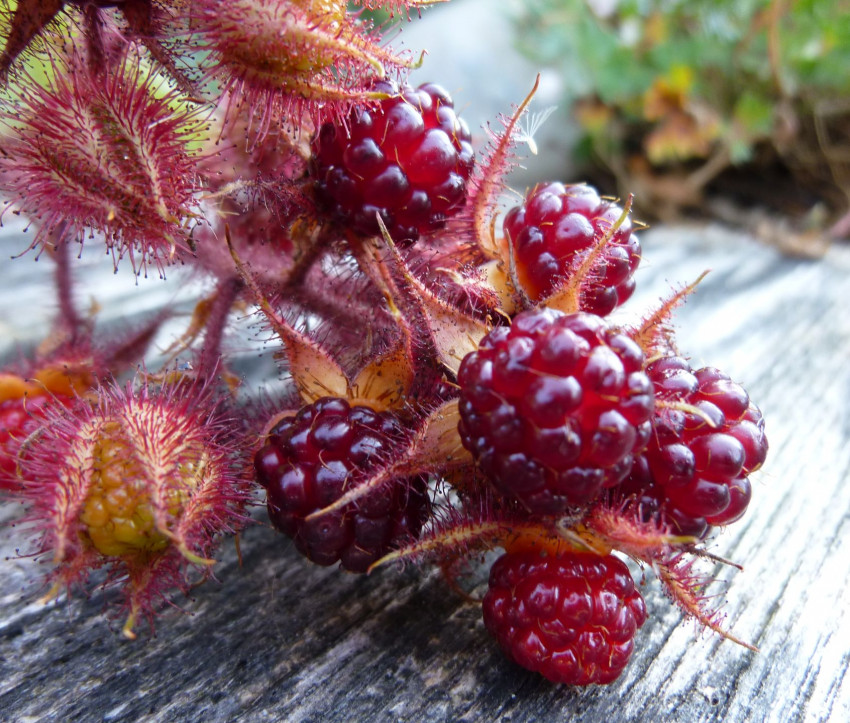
[(555, 226), (311, 458), (554, 408), (409, 160), (570, 617)]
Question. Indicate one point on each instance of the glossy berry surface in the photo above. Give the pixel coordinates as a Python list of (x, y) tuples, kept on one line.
[(554, 408), (554, 228), (571, 618), (408, 160), (696, 466), (312, 458)]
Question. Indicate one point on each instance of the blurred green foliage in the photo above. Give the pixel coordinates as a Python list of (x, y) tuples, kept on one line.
[(682, 80)]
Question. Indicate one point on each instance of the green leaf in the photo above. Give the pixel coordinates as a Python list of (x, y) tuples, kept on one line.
[(755, 114)]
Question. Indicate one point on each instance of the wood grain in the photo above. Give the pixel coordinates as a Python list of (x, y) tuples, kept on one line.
[(278, 639)]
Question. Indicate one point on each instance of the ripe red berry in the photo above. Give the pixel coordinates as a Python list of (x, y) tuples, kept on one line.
[(697, 463), (551, 231), (554, 408), (312, 458), (25, 403), (408, 160), (18, 419), (572, 617)]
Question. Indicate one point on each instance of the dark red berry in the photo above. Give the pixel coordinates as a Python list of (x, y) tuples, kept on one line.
[(555, 227), (708, 437), (408, 160), (554, 408), (571, 618), (312, 458)]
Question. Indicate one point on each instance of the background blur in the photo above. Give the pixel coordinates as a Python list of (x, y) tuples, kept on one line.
[(730, 109)]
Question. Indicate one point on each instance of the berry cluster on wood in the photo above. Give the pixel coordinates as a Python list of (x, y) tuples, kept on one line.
[(454, 385)]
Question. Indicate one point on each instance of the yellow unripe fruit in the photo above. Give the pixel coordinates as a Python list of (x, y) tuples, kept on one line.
[(119, 515), (142, 482)]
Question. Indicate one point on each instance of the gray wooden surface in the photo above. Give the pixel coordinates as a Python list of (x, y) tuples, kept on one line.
[(279, 639)]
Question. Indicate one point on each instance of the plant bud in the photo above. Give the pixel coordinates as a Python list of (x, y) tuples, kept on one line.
[(142, 483), (105, 153)]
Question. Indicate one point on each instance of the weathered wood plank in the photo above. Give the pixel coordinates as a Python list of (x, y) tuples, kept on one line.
[(279, 639)]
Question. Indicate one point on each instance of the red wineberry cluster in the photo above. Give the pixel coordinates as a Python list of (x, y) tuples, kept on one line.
[(555, 419), (447, 390)]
